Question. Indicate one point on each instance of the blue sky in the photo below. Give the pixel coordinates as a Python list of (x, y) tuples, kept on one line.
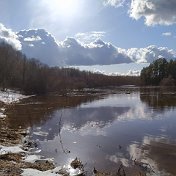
[(91, 15), (124, 23)]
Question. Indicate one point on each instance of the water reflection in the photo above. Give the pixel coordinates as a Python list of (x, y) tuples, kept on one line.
[(159, 152), (85, 120), (159, 98), (39, 109), (105, 132)]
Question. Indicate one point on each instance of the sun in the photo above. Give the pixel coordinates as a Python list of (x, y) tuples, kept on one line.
[(64, 8)]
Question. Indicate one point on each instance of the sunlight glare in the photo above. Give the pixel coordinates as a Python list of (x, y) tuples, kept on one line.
[(64, 8)]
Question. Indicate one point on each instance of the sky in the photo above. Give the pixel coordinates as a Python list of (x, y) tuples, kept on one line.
[(124, 23)]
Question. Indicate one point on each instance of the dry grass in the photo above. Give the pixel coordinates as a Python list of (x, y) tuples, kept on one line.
[(12, 164)]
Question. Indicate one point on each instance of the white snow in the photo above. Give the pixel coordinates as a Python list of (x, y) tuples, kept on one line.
[(2, 115), (10, 96), (2, 109), (67, 170), (74, 172), (40, 133), (32, 158), (32, 172), (12, 149)]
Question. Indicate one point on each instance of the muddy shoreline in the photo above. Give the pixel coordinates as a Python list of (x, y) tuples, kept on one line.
[(11, 164)]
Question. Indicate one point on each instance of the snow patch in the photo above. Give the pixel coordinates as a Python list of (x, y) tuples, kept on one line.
[(54, 172), (2, 109), (32, 172), (40, 133), (2, 115), (12, 149), (10, 96), (32, 158)]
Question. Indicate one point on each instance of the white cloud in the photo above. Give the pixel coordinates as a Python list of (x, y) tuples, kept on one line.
[(38, 43), (99, 71), (31, 45), (133, 73), (10, 37), (166, 34), (88, 37), (114, 3), (162, 12), (32, 39), (129, 73), (150, 53), (43, 46), (94, 53)]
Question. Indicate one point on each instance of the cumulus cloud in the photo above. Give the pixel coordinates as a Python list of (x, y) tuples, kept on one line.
[(162, 12), (38, 43), (114, 3), (150, 53), (166, 34), (42, 45), (10, 37), (94, 53), (88, 37)]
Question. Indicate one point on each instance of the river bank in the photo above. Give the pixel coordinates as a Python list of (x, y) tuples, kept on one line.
[(13, 149)]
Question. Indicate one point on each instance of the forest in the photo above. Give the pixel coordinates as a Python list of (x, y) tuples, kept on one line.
[(33, 77), (159, 73)]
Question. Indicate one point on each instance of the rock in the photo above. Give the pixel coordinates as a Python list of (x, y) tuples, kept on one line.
[(76, 163)]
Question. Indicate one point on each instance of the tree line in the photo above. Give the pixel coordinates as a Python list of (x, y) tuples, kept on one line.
[(33, 77), (160, 72)]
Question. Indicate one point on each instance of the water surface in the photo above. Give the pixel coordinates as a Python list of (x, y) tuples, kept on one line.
[(104, 131)]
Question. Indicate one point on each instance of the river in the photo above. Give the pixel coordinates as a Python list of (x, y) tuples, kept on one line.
[(124, 126)]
